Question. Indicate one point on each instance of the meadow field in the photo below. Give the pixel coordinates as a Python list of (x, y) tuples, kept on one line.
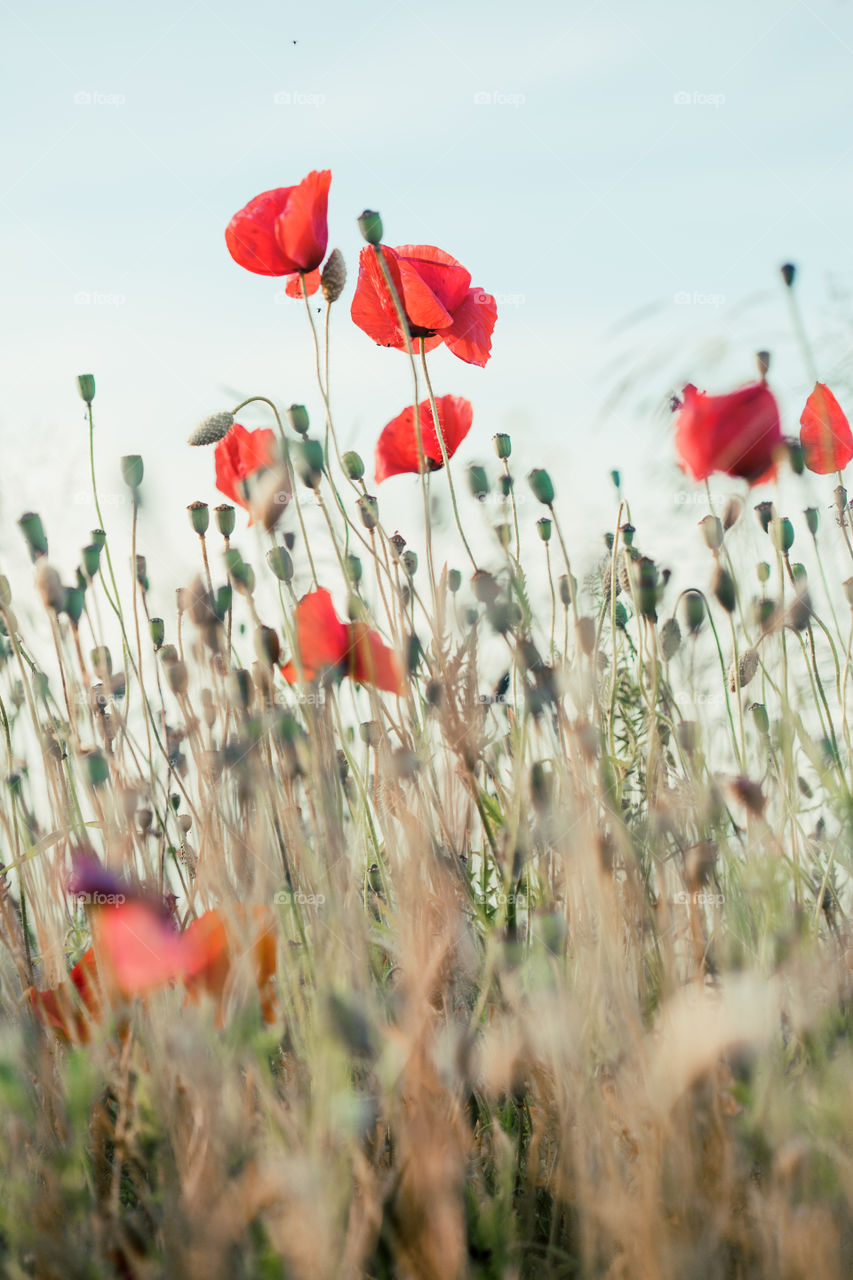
[(393, 909)]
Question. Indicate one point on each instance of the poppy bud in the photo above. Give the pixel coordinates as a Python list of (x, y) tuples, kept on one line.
[(278, 559), (540, 483), (712, 532), (199, 517), (398, 542), (670, 639), (75, 598), (297, 416), (763, 571), (789, 272), (142, 572), (410, 562), (353, 465), (310, 462), (99, 538), (33, 530), (783, 534), (505, 484), (454, 580), (86, 387), (368, 509), (628, 532), (694, 611), (176, 676), (131, 470), (543, 528), (732, 513), (764, 511), (724, 589), (586, 634), (353, 568), (212, 429), (503, 445), (811, 515), (760, 718), (97, 769), (222, 602), (796, 456), (267, 645), (333, 276), (225, 519), (157, 627), (370, 226), (91, 559), (241, 573), (617, 480), (762, 359), (746, 669), (478, 482), (565, 588), (485, 587)]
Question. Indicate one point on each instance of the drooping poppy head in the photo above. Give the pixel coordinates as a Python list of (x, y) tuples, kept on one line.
[(738, 433), (825, 433), (324, 641), (240, 458), (397, 447), (437, 299), (284, 231)]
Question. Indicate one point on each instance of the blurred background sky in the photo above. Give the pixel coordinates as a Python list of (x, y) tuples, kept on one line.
[(626, 179)]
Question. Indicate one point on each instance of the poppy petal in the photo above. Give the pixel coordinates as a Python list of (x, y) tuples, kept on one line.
[(470, 336), (240, 454), (372, 306), (322, 638), (397, 446), (447, 280), (825, 433), (738, 433), (293, 288), (301, 229), (139, 948), (371, 661), (251, 234)]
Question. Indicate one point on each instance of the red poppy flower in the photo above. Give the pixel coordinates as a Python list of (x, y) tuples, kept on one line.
[(825, 433), (70, 1008), (397, 446), (219, 940), (436, 295), (241, 455), (324, 641), (283, 232), (737, 433)]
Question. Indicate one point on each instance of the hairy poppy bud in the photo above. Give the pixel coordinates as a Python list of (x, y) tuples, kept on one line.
[(33, 530), (297, 416), (157, 627), (760, 718), (543, 528), (670, 639), (746, 669), (353, 464), (278, 559), (368, 509), (694, 611), (333, 276), (86, 387), (503, 445), (485, 587), (540, 483), (225, 519), (724, 589), (212, 429), (199, 517), (478, 482), (410, 562), (132, 470), (370, 226)]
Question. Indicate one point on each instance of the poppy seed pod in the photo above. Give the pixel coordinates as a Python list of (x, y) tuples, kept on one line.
[(410, 562), (278, 559), (241, 573), (177, 677), (96, 767), (811, 515), (503, 445), (132, 470), (333, 276), (226, 518), (354, 569), (353, 465), (712, 532), (760, 718), (505, 484), (485, 587), (783, 534), (478, 482), (212, 429), (694, 611), (543, 528), (86, 387), (670, 639), (297, 416), (796, 457), (762, 570), (646, 586), (33, 530), (99, 538), (789, 272), (540, 483), (368, 510), (72, 606), (310, 462), (565, 588), (765, 513), (586, 634), (199, 517), (628, 531), (370, 226), (91, 559), (157, 628), (267, 645), (724, 589), (454, 580)]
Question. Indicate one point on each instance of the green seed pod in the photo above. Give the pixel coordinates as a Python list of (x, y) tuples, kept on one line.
[(628, 532), (543, 528), (478, 482), (240, 572), (370, 226), (764, 511), (617, 480), (796, 457), (670, 639), (503, 445), (565, 588), (354, 569), (353, 464), (97, 769), (199, 517), (368, 509), (811, 515), (310, 462), (724, 589), (297, 416), (99, 538), (646, 586), (410, 562), (454, 580), (91, 559), (157, 628), (789, 272), (506, 484), (694, 611), (86, 386), (760, 718), (414, 654), (783, 534), (485, 587), (225, 519), (762, 569), (540, 483), (33, 530), (132, 470), (370, 732), (500, 615)]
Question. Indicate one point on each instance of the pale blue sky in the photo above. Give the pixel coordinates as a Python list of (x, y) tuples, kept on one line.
[(625, 157)]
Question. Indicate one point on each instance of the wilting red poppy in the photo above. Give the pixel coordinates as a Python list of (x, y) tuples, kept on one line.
[(219, 939), (241, 455), (825, 433), (397, 446), (284, 232), (324, 641), (737, 433), (436, 295)]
